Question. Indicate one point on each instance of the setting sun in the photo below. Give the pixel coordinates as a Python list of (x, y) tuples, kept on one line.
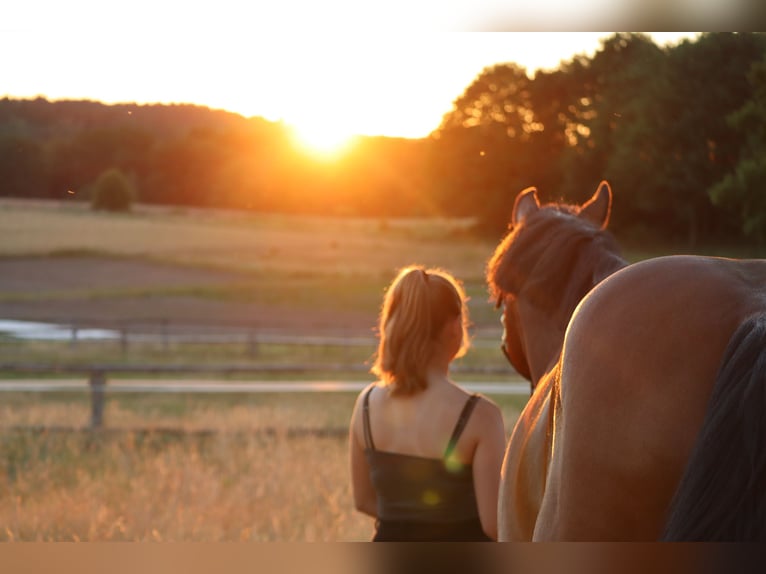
[(322, 139)]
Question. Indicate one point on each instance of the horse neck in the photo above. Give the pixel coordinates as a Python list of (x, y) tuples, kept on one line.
[(611, 263), (544, 340), (545, 331)]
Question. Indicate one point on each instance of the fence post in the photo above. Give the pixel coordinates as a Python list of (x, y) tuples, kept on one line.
[(164, 328), (124, 340), (97, 384), (73, 340), (347, 351), (252, 343)]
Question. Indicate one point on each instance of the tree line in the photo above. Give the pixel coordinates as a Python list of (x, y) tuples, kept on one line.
[(678, 131)]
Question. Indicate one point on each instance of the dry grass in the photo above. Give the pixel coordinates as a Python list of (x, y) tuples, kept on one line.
[(274, 271), (220, 488), (235, 471), (242, 241), (232, 484), (251, 479)]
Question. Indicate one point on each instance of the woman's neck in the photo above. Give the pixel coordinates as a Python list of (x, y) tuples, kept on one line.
[(438, 372)]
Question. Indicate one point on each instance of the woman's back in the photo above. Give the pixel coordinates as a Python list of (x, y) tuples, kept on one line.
[(427, 493), (420, 425), (402, 424)]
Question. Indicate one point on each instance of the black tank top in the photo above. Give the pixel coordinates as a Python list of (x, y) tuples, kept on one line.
[(437, 494)]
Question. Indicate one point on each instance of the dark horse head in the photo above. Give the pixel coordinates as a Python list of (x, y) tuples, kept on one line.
[(551, 257)]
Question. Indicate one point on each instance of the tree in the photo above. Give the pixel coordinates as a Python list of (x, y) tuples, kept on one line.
[(112, 192), (684, 144), (604, 114), (741, 191), (22, 169), (481, 154)]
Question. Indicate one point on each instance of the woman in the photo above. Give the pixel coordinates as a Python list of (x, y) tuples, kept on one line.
[(425, 454)]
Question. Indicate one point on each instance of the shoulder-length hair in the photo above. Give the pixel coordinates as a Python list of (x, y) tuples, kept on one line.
[(416, 307)]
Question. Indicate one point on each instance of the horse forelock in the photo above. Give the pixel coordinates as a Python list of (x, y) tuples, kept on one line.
[(552, 259)]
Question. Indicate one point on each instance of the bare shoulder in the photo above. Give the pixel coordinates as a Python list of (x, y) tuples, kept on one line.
[(487, 415), (487, 405), (363, 392), (356, 420)]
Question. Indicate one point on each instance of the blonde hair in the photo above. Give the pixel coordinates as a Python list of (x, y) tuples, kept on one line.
[(416, 306)]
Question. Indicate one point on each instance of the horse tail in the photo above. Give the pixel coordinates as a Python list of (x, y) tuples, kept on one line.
[(722, 494)]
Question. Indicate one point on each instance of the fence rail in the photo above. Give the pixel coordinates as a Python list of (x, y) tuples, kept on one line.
[(164, 332), (96, 380)]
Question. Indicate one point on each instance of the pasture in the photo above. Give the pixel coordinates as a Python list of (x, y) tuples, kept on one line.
[(61, 261), (181, 468), (202, 467)]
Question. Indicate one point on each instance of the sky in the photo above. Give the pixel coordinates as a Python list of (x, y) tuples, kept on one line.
[(395, 78)]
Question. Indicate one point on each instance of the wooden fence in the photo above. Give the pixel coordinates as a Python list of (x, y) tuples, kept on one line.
[(97, 377), (164, 333)]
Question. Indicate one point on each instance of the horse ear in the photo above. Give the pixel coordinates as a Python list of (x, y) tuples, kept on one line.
[(597, 208), (525, 205)]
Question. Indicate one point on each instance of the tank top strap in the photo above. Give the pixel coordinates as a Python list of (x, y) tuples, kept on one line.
[(465, 414), (368, 443)]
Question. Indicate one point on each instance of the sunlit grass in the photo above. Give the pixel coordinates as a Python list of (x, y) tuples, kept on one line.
[(244, 241), (58, 487), (210, 467), (222, 479), (277, 412), (226, 412), (215, 467)]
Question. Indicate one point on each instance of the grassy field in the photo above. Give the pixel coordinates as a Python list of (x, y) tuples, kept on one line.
[(268, 467), (151, 487), (299, 245), (274, 272), (61, 260), (212, 467), (225, 468)]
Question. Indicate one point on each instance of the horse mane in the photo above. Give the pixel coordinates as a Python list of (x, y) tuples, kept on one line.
[(553, 258)]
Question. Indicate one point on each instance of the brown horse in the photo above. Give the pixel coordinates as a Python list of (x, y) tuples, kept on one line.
[(648, 412)]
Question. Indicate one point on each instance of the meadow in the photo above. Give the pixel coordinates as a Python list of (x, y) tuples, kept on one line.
[(267, 467), (276, 271), (299, 246), (213, 467), (186, 467)]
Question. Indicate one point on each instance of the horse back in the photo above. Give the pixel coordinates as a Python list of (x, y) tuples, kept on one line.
[(639, 361)]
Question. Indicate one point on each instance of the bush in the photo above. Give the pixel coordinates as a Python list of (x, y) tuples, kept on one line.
[(113, 191)]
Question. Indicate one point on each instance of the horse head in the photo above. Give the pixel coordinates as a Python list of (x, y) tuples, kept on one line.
[(552, 255)]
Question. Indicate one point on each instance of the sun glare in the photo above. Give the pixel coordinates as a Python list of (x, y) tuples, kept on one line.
[(324, 140)]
